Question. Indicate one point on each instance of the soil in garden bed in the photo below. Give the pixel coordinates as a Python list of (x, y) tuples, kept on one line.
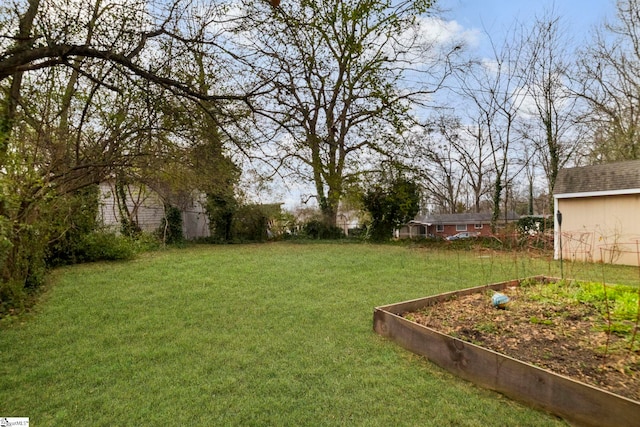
[(563, 335)]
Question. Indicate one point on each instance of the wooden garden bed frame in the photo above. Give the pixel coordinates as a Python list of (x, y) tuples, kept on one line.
[(576, 402)]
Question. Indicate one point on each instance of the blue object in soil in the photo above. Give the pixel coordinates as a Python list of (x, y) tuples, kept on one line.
[(499, 300)]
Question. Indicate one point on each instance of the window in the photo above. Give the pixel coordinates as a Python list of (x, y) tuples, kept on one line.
[(439, 228), (477, 226), (461, 227)]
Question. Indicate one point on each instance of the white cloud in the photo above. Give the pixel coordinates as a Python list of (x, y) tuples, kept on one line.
[(443, 32)]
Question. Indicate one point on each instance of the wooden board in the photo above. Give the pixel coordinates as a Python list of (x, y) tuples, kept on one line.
[(576, 402)]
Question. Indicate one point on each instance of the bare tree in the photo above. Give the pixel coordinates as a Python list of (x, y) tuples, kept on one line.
[(475, 158), (453, 162), (549, 122), (336, 96), (496, 91), (441, 171), (610, 78)]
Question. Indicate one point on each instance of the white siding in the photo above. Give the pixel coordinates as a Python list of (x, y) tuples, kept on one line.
[(147, 208), (601, 229)]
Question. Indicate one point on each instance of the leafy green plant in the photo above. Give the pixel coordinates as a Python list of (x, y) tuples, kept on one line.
[(105, 246), (12, 297), (170, 231), (251, 222), (618, 304), (487, 327), (391, 205), (75, 217), (538, 321), (221, 208), (317, 229)]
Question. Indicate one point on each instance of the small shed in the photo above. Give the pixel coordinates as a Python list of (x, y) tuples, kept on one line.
[(600, 211)]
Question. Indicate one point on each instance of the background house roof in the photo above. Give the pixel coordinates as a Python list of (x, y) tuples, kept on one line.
[(599, 178), (462, 218)]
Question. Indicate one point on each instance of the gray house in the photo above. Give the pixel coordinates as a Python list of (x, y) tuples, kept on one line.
[(600, 208)]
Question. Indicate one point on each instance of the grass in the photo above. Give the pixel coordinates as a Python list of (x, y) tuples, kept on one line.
[(274, 334)]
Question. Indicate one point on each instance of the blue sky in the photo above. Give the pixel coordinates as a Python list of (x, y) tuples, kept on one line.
[(495, 16)]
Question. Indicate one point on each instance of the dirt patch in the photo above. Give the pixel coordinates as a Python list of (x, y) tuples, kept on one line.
[(568, 337)]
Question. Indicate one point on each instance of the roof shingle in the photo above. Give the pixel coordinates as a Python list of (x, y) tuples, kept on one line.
[(462, 218), (599, 178)]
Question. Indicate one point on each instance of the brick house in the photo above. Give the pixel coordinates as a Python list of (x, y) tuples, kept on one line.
[(444, 225)]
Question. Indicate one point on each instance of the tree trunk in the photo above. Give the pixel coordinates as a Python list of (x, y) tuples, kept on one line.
[(8, 110), (329, 207), (497, 196)]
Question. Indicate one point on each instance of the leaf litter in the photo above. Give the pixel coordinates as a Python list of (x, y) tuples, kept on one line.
[(543, 327)]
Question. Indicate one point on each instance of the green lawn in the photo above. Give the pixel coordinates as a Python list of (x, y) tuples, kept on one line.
[(273, 334)]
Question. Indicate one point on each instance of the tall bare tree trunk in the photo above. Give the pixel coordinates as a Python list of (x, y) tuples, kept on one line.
[(12, 100)]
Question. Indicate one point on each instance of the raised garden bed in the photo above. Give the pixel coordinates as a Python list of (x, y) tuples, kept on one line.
[(574, 400)]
